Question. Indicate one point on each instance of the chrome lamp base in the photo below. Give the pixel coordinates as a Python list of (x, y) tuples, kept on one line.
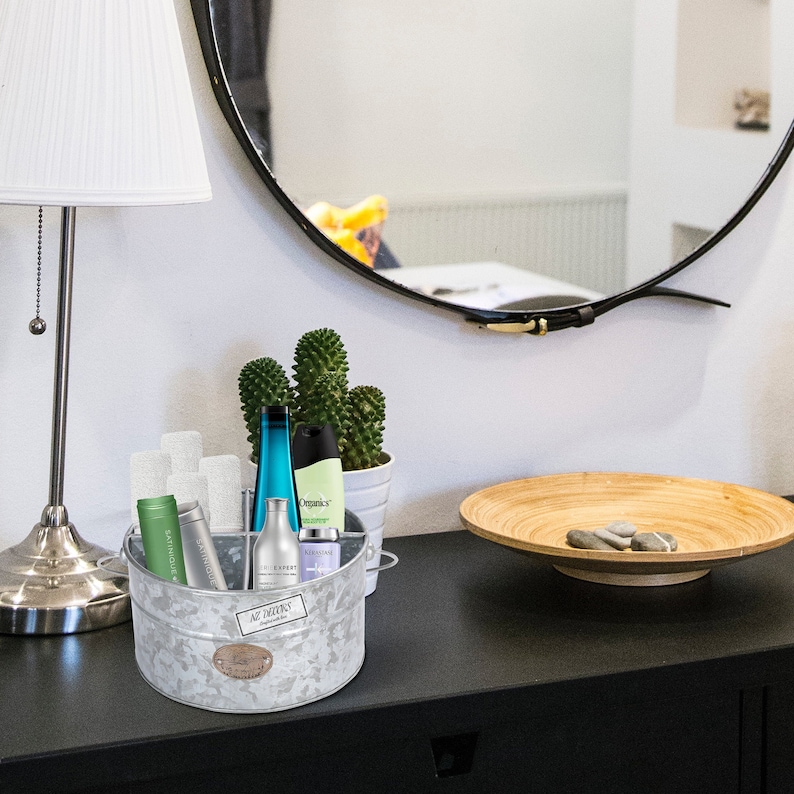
[(50, 583)]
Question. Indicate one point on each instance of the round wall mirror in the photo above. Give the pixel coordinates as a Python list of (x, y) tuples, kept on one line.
[(529, 165)]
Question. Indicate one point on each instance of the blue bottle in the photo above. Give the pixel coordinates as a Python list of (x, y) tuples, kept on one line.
[(275, 477)]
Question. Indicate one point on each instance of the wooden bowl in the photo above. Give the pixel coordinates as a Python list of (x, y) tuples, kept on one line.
[(715, 523)]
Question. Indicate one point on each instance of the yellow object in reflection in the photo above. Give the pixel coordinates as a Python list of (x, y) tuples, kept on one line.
[(347, 240), (324, 215), (356, 229), (368, 212)]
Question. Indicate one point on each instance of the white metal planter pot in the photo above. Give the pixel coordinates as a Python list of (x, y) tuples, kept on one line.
[(367, 495)]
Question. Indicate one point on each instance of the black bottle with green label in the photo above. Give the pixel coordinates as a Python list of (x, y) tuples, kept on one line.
[(318, 477)]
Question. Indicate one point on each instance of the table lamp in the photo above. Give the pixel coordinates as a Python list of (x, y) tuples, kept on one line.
[(95, 110)]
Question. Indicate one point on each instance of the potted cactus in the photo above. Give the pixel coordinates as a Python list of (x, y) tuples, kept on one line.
[(321, 395)]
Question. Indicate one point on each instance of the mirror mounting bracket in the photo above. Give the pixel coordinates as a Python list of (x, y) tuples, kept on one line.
[(578, 316)]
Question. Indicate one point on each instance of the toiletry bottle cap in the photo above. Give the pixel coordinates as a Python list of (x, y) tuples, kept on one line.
[(274, 409), (190, 511), (318, 533), (276, 504), (157, 507), (313, 443)]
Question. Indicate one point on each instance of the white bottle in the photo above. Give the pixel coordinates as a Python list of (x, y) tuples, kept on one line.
[(277, 551)]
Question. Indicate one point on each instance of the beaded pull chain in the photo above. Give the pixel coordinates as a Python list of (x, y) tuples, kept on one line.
[(37, 326)]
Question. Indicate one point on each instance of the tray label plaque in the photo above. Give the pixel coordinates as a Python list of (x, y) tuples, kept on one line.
[(275, 613)]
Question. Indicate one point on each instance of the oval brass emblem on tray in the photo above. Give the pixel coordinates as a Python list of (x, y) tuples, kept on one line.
[(242, 661)]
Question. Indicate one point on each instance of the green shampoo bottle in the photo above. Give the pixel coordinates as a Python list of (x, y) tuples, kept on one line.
[(318, 477), (162, 539)]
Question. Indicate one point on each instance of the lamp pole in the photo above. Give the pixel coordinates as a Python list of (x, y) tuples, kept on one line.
[(50, 582), (55, 513)]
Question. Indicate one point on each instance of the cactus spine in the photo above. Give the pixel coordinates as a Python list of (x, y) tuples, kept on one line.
[(364, 441), (327, 403), (262, 381), (316, 353)]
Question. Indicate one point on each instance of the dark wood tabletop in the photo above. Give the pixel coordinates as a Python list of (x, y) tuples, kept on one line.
[(461, 635)]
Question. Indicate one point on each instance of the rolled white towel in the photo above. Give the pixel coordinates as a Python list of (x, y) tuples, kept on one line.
[(190, 486), (185, 449), (225, 487), (149, 473)]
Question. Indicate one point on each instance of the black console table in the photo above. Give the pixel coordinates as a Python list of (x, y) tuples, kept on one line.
[(485, 672)]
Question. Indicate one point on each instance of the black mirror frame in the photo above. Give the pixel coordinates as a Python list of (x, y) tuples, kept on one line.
[(535, 322)]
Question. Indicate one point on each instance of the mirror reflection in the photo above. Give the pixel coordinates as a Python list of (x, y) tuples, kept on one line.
[(520, 155)]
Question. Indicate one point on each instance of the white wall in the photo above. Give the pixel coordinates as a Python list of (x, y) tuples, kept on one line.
[(688, 165), (448, 98), (170, 302)]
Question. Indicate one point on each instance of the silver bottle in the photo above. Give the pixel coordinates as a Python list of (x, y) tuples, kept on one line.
[(201, 559), (277, 551)]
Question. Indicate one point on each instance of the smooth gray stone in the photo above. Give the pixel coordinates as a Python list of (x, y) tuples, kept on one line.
[(623, 529), (654, 541), (582, 539), (614, 540)]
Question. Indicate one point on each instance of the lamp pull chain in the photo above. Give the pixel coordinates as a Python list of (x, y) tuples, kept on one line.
[(37, 326)]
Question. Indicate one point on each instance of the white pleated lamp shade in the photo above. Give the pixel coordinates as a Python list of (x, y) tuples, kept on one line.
[(95, 105)]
